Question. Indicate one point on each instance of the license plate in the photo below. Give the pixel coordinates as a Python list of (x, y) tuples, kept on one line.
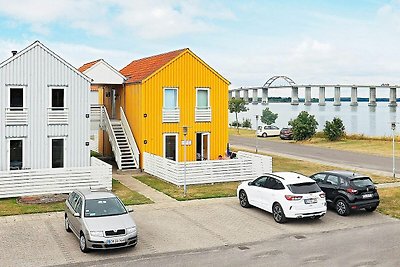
[(367, 196), (115, 241), (310, 201)]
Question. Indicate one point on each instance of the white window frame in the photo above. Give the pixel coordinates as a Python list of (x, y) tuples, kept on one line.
[(23, 95), (51, 151), (177, 96), (208, 144), (208, 96), (9, 152), (176, 144), (51, 95)]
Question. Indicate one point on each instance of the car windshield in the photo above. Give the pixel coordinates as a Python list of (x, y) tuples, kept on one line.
[(103, 207), (304, 188), (362, 182)]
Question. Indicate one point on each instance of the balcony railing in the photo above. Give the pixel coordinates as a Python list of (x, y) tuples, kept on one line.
[(16, 116), (202, 114), (170, 115), (57, 116)]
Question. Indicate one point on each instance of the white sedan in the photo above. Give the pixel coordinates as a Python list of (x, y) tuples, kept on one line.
[(285, 195)]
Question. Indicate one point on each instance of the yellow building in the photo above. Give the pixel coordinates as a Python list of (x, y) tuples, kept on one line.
[(165, 93)]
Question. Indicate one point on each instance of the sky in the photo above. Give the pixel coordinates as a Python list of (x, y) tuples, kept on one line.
[(310, 41)]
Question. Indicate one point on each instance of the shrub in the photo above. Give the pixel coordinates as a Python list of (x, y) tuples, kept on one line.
[(268, 117), (246, 123), (304, 126), (334, 130), (237, 105)]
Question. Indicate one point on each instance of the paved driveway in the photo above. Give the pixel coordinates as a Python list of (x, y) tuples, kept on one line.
[(40, 240)]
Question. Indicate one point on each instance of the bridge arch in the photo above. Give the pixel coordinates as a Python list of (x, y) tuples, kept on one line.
[(268, 83)]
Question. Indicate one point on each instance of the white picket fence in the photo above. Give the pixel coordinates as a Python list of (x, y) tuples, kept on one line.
[(51, 181), (247, 166)]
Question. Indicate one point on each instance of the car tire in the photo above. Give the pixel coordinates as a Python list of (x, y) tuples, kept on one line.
[(278, 214), (342, 208), (66, 224), (264, 135), (82, 243), (244, 201), (372, 209)]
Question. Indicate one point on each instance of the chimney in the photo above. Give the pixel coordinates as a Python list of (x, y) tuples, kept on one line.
[(14, 52)]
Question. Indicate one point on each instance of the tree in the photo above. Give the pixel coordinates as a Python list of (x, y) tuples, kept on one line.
[(237, 105), (304, 126), (334, 130), (268, 117)]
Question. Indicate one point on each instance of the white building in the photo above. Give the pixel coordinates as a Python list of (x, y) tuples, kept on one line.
[(44, 113)]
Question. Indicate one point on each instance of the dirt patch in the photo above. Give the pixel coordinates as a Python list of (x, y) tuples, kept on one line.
[(42, 199)]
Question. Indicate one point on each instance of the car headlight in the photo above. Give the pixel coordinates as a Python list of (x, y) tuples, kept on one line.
[(131, 230), (96, 233)]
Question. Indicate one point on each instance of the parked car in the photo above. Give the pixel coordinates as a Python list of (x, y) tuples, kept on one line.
[(268, 130), (285, 195), (286, 133), (347, 191), (99, 219)]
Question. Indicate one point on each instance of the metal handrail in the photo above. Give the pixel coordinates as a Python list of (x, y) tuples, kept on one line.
[(111, 136), (130, 137)]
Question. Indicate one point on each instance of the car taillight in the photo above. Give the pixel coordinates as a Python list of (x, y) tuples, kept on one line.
[(322, 195), (291, 197), (351, 191)]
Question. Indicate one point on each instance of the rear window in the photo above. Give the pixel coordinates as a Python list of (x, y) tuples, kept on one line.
[(304, 188), (362, 182)]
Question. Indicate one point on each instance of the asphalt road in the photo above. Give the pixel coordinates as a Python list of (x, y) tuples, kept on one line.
[(376, 245), (325, 155)]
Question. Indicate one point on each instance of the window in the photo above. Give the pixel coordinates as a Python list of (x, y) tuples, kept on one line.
[(260, 181), (57, 99), (333, 180), (16, 155), (170, 98), (170, 146), (203, 98), (78, 207), (320, 177), (304, 188), (273, 183), (16, 97), (57, 153)]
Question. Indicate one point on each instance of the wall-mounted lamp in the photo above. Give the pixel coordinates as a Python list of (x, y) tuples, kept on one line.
[(145, 115), (145, 141)]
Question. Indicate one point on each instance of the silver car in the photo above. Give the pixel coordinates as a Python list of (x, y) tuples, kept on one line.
[(99, 219)]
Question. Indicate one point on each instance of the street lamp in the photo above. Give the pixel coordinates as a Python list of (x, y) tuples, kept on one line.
[(185, 131), (394, 166), (256, 134)]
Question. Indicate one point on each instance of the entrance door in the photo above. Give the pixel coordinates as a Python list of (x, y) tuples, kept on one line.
[(57, 153), (16, 155), (170, 146), (113, 104), (202, 146)]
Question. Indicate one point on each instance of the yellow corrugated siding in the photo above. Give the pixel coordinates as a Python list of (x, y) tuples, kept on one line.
[(187, 73)]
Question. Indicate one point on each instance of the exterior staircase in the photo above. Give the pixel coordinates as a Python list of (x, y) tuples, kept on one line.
[(127, 159)]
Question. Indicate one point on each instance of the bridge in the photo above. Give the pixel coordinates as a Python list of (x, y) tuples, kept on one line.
[(290, 84)]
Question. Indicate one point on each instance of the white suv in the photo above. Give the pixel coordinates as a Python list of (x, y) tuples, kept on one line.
[(268, 130), (285, 195)]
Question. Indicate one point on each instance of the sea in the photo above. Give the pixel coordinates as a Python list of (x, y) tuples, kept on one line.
[(361, 119)]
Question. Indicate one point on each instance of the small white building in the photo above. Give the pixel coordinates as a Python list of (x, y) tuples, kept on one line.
[(44, 115)]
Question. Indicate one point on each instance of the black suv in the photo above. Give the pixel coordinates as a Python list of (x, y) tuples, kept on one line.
[(286, 133), (347, 191)]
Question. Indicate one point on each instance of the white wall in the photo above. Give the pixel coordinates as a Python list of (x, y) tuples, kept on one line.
[(38, 70), (101, 73)]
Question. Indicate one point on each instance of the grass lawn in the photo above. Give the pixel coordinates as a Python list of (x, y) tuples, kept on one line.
[(390, 201), (9, 206), (242, 132), (193, 191)]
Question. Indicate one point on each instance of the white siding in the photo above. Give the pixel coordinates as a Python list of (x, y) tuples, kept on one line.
[(39, 70), (102, 73)]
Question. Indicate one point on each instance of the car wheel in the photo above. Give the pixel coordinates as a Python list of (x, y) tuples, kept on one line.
[(82, 244), (371, 209), (66, 224), (342, 208), (244, 201), (277, 212), (264, 135)]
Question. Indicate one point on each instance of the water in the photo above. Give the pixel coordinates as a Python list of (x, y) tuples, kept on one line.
[(371, 121)]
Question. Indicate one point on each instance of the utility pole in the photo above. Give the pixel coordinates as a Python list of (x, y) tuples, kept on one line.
[(393, 143), (185, 131), (256, 134)]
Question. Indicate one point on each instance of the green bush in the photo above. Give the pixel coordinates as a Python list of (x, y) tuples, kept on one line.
[(268, 117), (334, 130), (304, 126), (235, 123), (246, 123)]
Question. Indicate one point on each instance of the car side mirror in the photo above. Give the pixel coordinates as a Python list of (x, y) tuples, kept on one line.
[(77, 215), (130, 210), (251, 183)]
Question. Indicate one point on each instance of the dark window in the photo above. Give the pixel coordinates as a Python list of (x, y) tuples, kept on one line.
[(57, 98), (304, 188), (15, 154), (260, 181), (57, 153), (273, 183), (170, 147), (103, 207), (362, 182), (332, 179), (343, 182), (78, 207), (16, 98), (319, 177)]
